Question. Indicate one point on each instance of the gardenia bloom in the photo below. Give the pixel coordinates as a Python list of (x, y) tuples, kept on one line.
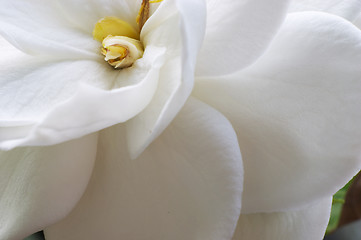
[(240, 120)]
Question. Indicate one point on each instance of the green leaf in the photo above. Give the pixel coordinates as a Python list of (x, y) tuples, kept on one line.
[(337, 204), (36, 236)]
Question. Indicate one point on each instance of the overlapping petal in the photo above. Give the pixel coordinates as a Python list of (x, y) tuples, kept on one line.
[(348, 9), (179, 25), (296, 113), (306, 223), (60, 29), (45, 103), (357, 21), (84, 14), (40, 28), (41, 185), (186, 185), (170, 35), (240, 30)]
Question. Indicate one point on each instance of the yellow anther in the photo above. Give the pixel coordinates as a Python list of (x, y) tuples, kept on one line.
[(143, 13), (113, 26)]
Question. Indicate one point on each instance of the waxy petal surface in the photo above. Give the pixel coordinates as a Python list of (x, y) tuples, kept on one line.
[(44, 103), (357, 22), (186, 185), (60, 29), (40, 28), (306, 223), (240, 30), (296, 113), (348, 9), (179, 26), (40, 185)]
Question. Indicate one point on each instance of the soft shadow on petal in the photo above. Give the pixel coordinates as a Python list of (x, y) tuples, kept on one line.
[(46, 103), (84, 14), (39, 28), (307, 223), (357, 22), (177, 25), (41, 185), (186, 185), (296, 113), (241, 30), (348, 9)]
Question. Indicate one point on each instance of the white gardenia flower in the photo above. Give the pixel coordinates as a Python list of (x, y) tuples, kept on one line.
[(227, 120)]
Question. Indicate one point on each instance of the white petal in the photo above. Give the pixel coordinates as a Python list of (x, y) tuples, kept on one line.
[(177, 25), (307, 223), (39, 28), (357, 22), (296, 113), (84, 14), (46, 103), (348, 9), (238, 32), (41, 185), (186, 185)]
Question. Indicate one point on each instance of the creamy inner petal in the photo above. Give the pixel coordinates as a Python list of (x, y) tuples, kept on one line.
[(40, 29), (178, 26), (68, 99), (60, 29)]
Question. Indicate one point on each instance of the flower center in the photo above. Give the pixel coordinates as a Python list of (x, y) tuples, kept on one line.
[(121, 51), (120, 41), (121, 45)]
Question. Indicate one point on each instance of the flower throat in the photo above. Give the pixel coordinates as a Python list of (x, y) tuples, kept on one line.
[(121, 45)]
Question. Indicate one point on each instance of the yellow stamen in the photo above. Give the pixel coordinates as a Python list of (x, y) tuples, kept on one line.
[(121, 45), (139, 13), (143, 13), (113, 26)]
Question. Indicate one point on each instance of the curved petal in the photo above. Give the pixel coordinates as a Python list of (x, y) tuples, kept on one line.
[(306, 223), (41, 185), (177, 25), (348, 9), (60, 28), (84, 14), (239, 30), (357, 22), (296, 113), (45, 103), (186, 185), (39, 28)]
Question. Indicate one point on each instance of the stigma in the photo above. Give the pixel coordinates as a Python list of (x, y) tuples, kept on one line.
[(121, 46), (120, 51)]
